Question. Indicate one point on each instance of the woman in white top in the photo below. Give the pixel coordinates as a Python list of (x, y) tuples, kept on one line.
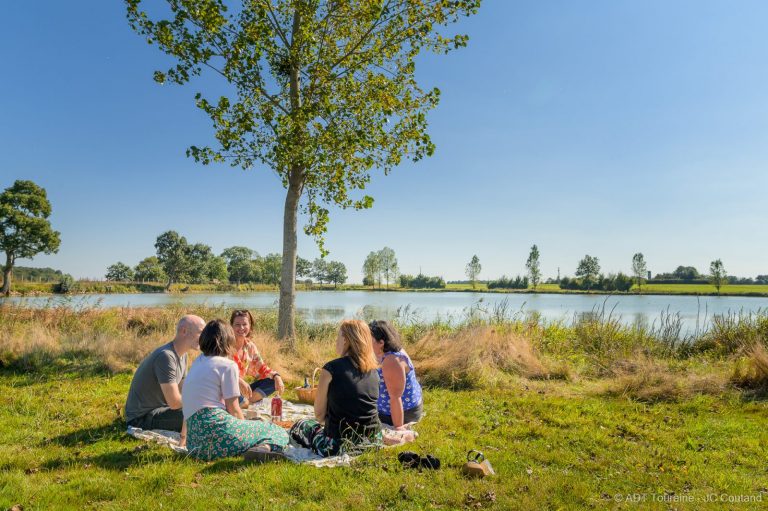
[(215, 424)]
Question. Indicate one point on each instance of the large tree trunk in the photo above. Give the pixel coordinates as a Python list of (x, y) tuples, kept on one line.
[(286, 328), (286, 312), (7, 275)]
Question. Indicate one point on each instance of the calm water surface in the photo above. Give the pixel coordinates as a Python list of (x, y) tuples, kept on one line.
[(327, 306)]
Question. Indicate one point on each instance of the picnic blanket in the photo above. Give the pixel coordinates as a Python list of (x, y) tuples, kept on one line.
[(291, 412)]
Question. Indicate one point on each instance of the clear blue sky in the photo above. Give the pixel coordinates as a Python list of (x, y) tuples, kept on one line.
[(602, 127)]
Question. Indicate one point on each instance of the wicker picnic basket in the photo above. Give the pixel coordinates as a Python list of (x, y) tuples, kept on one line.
[(307, 394)]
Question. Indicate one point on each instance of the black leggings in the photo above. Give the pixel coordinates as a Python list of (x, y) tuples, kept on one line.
[(160, 418)]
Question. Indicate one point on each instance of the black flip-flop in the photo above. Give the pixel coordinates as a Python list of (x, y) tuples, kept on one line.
[(429, 462), (409, 459)]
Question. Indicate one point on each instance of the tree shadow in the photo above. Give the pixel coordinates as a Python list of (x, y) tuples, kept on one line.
[(116, 460), (40, 368), (756, 395), (225, 465), (87, 436)]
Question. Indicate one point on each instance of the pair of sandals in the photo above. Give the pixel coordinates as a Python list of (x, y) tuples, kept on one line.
[(410, 459), (262, 454)]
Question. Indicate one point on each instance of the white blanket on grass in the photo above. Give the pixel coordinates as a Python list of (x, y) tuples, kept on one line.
[(291, 412)]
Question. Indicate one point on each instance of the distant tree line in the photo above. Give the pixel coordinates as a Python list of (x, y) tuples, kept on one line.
[(588, 277), (421, 281), (509, 283), (618, 282), (34, 274), (178, 261)]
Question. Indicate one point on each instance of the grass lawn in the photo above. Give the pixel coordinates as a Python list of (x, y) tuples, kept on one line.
[(727, 289), (554, 445)]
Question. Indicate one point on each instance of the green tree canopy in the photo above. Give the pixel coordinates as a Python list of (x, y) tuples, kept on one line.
[(717, 274), (119, 272), (639, 268), (588, 270), (534, 267), (320, 270), (686, 273), (372, 268), (149, 269), (303, 268), (388, 264), (173, 254), (238, 261), (322, 93), (270, 269), (25, 230), (473, 269), (337, 273)]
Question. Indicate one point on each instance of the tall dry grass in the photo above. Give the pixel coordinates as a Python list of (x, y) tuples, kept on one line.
[(479, 356), (503, 347), (751, 370), (648, 379)]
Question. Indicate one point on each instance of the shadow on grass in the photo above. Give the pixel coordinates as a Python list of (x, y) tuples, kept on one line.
[(754, 395), (226, 465), (87, 436), (39, 368), (117, 460)]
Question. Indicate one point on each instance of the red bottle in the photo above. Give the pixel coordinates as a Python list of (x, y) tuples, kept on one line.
[(277, 409)]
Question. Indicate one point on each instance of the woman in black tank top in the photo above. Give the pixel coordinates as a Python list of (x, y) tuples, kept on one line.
[(345, 405)]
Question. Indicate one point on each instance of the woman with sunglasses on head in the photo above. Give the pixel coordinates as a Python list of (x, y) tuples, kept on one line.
[(345, 404), (215, 424), (400, 396), (250, 363)]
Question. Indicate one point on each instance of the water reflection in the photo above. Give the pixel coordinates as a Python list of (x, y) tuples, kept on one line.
[(663, 313)]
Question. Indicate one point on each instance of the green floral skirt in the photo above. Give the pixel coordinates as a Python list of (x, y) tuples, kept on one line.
[(213, 433)]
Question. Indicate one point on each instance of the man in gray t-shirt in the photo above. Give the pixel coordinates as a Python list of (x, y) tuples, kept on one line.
[(154, 399)]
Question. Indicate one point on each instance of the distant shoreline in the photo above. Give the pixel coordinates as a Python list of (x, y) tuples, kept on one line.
[(86, 288)]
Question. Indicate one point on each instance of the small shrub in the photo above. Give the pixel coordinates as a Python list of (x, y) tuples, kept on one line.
[(65, 285), (751, 371)]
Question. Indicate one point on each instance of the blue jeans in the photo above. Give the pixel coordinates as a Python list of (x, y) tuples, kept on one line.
[(263, 387)]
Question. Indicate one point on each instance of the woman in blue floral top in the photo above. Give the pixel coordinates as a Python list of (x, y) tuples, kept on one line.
[(400, 397)]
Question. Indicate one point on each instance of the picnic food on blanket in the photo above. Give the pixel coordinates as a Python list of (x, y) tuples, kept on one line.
[(477, 465), (308, 392)]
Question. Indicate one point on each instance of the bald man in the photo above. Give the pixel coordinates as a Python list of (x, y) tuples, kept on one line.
[(154, 400)]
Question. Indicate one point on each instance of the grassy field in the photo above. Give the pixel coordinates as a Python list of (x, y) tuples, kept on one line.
[(704, 289), (554, 445), (587, 415), (81, 287)]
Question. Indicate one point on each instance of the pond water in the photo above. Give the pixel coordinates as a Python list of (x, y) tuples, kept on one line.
[(332, 306)]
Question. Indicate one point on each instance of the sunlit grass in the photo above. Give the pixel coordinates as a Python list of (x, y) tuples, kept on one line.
[(553, 446)]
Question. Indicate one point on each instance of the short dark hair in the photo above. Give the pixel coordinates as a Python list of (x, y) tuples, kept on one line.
[(217, 339), (383, 331)]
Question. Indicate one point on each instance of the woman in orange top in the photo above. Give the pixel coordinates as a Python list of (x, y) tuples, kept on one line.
[(250, 363)]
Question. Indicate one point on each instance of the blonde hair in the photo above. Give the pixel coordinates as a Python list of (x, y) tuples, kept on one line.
[(358, 344)]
